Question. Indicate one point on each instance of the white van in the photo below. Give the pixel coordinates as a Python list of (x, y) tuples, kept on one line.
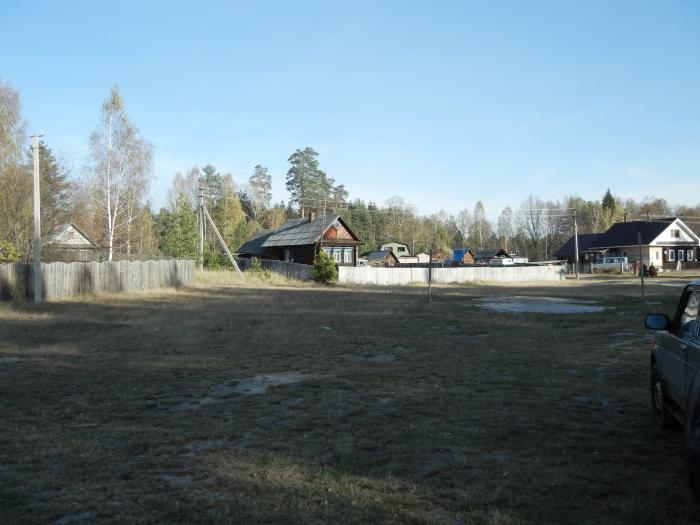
[(610, 264)]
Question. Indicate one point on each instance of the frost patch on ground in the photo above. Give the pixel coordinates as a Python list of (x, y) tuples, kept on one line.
[(538, 305), (379, 358), (260, 384)]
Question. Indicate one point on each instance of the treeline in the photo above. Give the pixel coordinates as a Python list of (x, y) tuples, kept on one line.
[(108, 200)]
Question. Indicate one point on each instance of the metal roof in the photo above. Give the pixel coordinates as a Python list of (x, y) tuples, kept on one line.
[(490, 254), (625, 234), (299, 232), (585, 240), (254, 245), (378, 255)]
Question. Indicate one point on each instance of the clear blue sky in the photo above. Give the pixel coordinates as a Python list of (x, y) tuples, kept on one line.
[(443, 103)]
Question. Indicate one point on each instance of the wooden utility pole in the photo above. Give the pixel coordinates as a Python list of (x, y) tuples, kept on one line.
[(201, 229), (221, 240), (576, 241), (430, 277), (37, 221), (641, 262)]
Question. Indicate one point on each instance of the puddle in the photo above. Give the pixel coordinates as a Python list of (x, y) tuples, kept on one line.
[(539, 305), (260, 384), (9, 360), (177, 480), (219, 393), (379, 358), (80, 517)]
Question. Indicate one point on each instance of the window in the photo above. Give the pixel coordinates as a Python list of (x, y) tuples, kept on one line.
[(400, 249), (348, 255), (336, 254), (676, 234), (680, 255), (656, 253), (689, 255), (82, 255), (672, 255), (689, 317)]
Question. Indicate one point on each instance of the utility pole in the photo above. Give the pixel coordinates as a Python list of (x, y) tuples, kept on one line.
[(576, 241), (201, 229), (37, 221), (641, 262)]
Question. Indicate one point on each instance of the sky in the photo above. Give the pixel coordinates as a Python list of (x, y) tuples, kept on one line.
[(443, 103)]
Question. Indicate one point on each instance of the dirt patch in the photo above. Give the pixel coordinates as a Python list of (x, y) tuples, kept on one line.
[(134, 409), (537, 305), (259, 384)]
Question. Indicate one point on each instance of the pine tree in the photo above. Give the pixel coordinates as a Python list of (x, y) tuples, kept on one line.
[(180, 230), (260, 190), (608, 202)]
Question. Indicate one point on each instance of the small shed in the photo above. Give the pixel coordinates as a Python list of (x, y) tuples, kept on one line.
[(462, 256), (382, 258), (68, 243)]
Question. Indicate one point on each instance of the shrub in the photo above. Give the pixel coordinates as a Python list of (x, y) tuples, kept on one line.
[(8, 252), (256, 268), (324, 270)]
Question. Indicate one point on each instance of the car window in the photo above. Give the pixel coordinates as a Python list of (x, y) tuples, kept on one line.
[(689, 317)]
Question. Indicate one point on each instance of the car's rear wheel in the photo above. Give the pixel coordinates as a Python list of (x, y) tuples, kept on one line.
[(658, 401)]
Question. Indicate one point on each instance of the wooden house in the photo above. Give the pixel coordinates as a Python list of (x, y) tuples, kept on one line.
[(462, 256), (383, 259), (568, 250), (67, 243), (664, 242), (300, 240), (485, 256)]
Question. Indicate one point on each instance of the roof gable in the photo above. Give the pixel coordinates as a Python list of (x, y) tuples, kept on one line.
[(296, 232), (627, 233), (70, 235), (490, 254)]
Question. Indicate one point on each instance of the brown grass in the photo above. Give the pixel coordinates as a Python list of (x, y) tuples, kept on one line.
[(123, 409)]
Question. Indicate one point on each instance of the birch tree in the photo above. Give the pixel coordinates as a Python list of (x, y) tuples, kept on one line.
[(121, 165)]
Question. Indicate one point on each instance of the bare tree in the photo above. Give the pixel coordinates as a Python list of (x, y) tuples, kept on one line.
[(532, 218), (505, 228), (121, 161)]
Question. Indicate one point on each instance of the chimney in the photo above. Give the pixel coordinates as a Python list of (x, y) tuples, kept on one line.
[(626, 214), (312, 216)]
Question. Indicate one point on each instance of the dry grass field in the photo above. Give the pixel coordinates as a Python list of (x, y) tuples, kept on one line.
[(261, 403)]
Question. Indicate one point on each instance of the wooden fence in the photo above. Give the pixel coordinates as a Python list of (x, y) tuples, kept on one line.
[(402, 276), (291, 270), (79, 278)]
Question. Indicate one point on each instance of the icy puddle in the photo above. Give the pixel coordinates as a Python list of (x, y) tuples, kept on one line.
[(260, 384), (537, 305)]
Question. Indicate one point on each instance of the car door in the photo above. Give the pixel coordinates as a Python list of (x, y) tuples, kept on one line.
[(692, 340), (676, 345)]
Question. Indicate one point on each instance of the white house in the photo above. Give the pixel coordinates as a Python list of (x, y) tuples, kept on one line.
[(663, 242)]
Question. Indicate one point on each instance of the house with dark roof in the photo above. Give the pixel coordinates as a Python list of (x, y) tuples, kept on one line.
[(382, 258), (484, 256), (568, 250), (664, 242), (68, 243), (300, 240)]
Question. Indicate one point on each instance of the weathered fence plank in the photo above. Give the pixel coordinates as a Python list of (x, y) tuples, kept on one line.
[(403, 276), (81, 278), (301, 272)]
